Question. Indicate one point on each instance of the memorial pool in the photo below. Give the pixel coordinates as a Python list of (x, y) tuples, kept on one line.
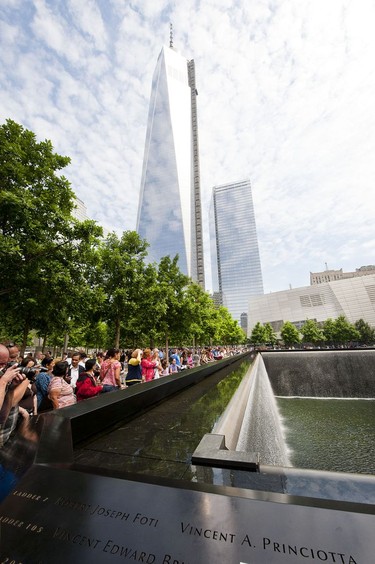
[(331, 434)]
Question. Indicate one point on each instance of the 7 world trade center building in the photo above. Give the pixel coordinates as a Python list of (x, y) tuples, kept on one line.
[(236, 267), (169, 211)]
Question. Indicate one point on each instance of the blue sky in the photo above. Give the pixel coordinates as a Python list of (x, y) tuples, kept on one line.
[(286, 98)]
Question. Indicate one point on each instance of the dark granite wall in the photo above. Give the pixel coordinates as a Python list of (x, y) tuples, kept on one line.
[(333, 373)]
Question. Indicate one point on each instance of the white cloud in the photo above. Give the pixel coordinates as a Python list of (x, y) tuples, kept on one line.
[(88, 19), (54, 31)]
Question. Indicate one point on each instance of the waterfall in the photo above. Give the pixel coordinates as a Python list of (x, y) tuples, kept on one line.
[(329, 373), (252, 421)]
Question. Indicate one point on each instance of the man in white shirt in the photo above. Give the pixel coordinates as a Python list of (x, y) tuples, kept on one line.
[(75, 369)]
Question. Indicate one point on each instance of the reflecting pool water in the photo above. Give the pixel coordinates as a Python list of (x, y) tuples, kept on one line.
[(330, 434), (161, 441)]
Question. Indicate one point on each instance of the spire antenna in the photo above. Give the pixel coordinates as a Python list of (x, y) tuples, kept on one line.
[(171, 35)]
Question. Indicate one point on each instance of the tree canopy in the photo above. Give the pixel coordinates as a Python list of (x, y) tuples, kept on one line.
[(41, 244), (366, 333), (331, 332), (120, 277), (258, 335), (289, 334), (311, 333)]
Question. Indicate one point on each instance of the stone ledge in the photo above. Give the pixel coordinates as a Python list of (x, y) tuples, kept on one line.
[(212, 451)]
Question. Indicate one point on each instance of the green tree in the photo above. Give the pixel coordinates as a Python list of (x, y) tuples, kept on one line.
[(92, 334), (344, 331), (120, 276), (201, 315), (258, 335), (171, 311), (270, 334), (366, 332), (40, 242), (329, 330), (311, 333), (289, 334), (142, 328), (228, 332)]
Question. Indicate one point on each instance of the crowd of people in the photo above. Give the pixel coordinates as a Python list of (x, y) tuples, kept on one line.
[(34, 384)]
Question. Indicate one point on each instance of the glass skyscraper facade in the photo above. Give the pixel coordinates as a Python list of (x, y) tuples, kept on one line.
[(236, 268), (169, 211)]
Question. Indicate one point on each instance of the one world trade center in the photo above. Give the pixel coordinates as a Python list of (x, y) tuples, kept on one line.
[(169, 211)]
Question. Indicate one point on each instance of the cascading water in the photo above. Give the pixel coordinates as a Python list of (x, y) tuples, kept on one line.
[(260, 429), (330, 373), (327, 399)]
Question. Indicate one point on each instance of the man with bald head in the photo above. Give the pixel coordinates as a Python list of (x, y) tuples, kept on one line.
[(12, 389), (4, 356), (14, 351)]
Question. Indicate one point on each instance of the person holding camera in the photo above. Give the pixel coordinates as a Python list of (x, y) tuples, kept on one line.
[(12, 388), (13, 351), (29, 400)]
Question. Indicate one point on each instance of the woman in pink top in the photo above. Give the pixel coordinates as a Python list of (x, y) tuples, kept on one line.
[(110, 371), (59, 391), (147, 366), (190, 362)]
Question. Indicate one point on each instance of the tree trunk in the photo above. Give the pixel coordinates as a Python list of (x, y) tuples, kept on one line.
[(166, 348), (117, 334), (24, 340), (66, 341)]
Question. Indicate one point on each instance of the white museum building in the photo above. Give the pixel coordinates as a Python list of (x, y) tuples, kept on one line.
[(353, 297)]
